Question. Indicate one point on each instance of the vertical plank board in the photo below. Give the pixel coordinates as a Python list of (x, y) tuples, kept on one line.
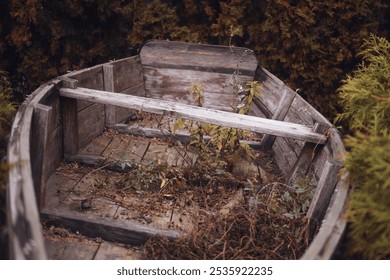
[(307, 154), (280, 113), (71, 127), (324, 192), (89, 77), (38, 149), (108, 79), (127, 73)]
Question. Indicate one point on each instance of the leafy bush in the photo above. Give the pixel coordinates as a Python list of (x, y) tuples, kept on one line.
[(7, 111), (309, 44), (365, 96)]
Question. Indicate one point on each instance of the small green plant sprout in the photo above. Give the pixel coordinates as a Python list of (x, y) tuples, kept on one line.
[(246, 98), (198, 92), (225, 142)]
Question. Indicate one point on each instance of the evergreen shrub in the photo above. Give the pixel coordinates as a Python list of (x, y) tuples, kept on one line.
[(365, 97)]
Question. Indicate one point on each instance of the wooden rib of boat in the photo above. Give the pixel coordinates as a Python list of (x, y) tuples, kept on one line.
[(62, 117)]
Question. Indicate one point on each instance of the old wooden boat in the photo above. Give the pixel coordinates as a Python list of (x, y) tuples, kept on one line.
[(62, 119)]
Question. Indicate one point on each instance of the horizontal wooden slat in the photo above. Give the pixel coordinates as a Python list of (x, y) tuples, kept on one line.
[(106, 228), (251, 123), (200, 57)]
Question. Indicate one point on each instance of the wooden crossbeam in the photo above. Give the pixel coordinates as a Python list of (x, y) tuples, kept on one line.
[(228, 119)]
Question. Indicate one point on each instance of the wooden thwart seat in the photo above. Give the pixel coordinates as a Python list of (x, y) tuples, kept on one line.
[(250, 123)]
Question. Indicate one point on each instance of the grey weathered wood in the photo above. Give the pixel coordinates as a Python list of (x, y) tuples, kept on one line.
[(124, 75), (101, 162), (307, 155), (128, 232), (91, 123), (245, 122), (280, 113), (127, 73), (39, 142), (323, 192), (69, 82), (70, 123), (201, 57), (330, 231), (24, 229), (81, 249), (174, 84), (169, 68), (271, 90), (108, 77), (182, 136), (89, 77)]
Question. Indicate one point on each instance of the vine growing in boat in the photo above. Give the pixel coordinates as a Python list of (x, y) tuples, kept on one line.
[(225, 143)]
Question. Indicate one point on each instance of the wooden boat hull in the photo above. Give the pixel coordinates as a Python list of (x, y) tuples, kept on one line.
[(65, 114)]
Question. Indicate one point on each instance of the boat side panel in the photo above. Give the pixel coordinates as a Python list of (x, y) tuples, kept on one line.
[(89, 113), (91, 122), (127, 74), (127, 78), (46, 135), (25, 233)]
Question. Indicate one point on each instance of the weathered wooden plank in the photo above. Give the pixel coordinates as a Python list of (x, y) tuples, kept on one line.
[(53, 155), (127, 73), (124, 76), (39, 137), (91, 122), (58, 185), (173, 84), (71, 249), (137, 90), (329, 230), (24, 229), (71, 125), (128, 232), (323, 193), (251, 123), (116, 149), (170, 68), (123, 114), (99, 161), (201, 57), (271, 91), (280, 113), (96, 146), (90, 77), (286, 154), (69, 82), (307, 155), (108, 80)]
